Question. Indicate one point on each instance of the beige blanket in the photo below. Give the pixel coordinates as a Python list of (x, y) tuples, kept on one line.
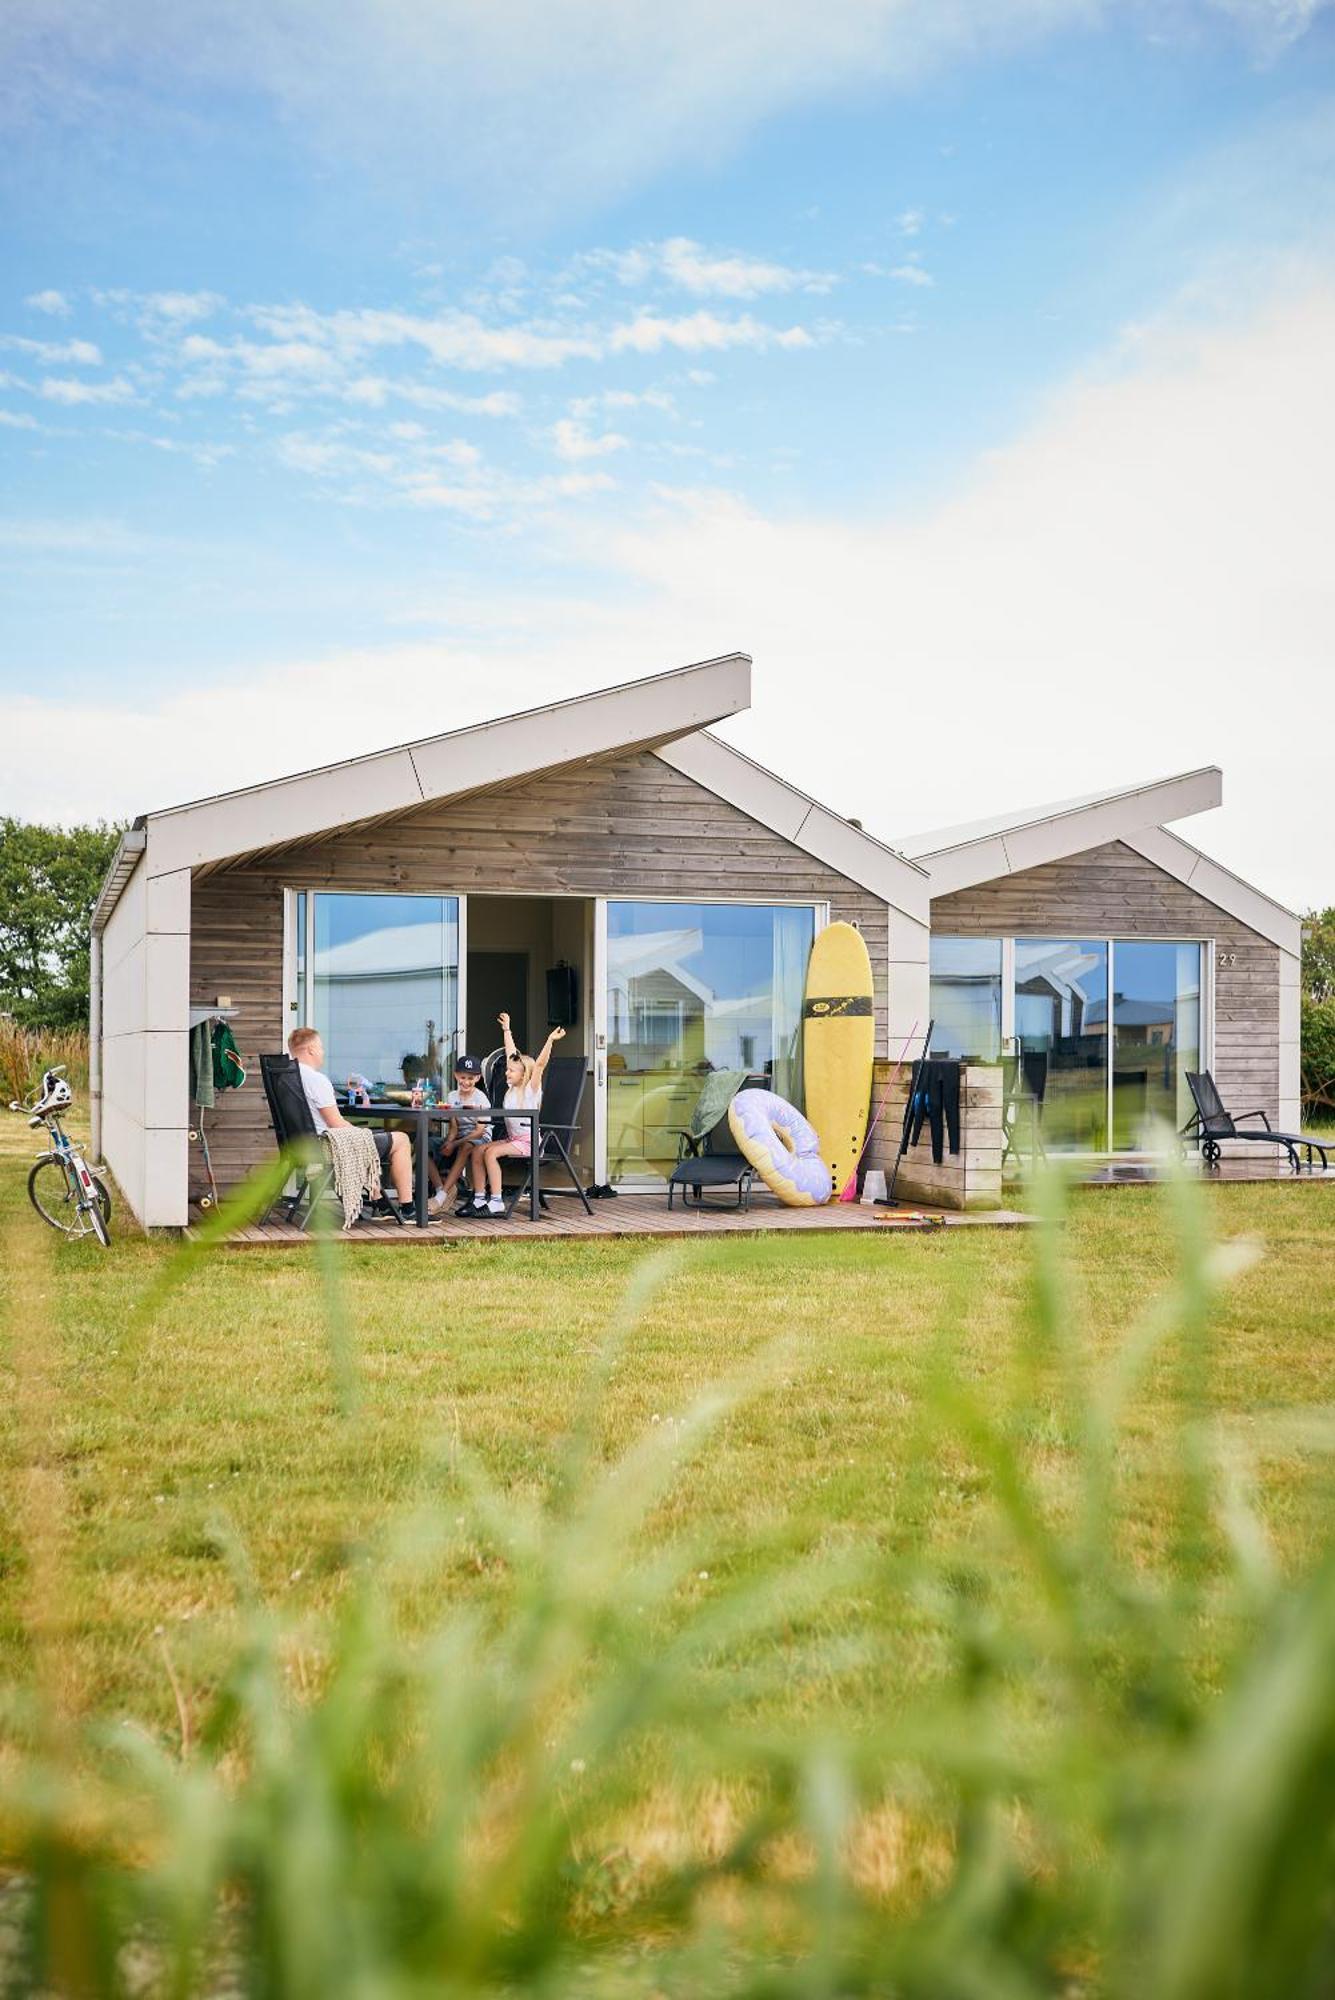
[(356, 1168)]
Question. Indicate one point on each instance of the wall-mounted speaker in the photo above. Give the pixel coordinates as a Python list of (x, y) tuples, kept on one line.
[(562, 996)]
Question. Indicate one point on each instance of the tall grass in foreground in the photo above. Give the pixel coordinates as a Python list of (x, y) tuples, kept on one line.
[(26, 1052), (1117, 1775)]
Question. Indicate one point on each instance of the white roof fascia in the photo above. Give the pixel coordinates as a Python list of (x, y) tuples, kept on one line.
[(1219, 886), (637, 714), (961, 858), (122, 866), (711, 762)]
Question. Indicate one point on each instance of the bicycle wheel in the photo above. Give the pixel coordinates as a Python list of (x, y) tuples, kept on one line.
[(54, 1193)]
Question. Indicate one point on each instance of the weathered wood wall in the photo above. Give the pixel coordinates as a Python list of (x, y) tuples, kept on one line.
[(629, 827), (968, 1179), (1112, 891)]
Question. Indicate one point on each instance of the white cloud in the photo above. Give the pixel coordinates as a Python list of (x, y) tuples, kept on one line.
[(69, 391), (701, 333), (733, 276), (17, 420), (571, 440), (910, 274), (51, 302), (691, 267), (82, 353), (181, 308), (319, 343)]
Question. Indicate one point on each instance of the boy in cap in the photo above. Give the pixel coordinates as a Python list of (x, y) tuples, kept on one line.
[(469, 1130)]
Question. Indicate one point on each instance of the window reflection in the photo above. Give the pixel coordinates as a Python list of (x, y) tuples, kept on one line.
[(1061, 997), (385, 986), (1156, 1013), (966, 997), (694, 989)]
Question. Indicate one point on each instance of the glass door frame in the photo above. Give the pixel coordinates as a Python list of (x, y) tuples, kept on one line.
[(299, 1007), (820, 909), (1205, 1053), (1205, 1028)]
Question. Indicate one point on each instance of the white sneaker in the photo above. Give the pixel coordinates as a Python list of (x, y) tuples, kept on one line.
[(495, 1206), (437, 1201)]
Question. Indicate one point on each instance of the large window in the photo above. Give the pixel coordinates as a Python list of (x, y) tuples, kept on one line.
[(1104, 1069), (694, 989), (966, 997), (1061, 1008), (379, 977), (1156, 1015)]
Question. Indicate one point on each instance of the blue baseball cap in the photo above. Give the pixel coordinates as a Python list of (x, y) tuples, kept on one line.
[(467, 1066)]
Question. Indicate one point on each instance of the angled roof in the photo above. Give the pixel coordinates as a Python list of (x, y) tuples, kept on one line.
[(960, 857), (662, 713)]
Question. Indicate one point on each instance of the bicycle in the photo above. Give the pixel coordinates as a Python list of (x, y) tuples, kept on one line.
[(62, 1187)]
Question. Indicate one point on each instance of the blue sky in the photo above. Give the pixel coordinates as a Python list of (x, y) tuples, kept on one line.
[(365, 375)]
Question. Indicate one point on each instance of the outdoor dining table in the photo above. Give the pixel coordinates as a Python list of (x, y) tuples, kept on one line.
[(421, 1115)]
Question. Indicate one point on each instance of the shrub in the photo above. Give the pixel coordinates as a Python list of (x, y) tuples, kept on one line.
[(1318, 1071)]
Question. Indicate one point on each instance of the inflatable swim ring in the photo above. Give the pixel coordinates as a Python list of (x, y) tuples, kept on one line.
[(781, 1146)]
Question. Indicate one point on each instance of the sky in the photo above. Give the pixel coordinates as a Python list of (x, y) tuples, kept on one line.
[(369, 371)]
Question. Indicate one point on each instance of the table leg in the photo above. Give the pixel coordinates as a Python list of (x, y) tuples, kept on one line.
[(534, 1209), (420, 1177)]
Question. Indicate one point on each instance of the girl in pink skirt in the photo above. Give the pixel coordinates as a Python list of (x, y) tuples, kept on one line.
[(523, 1079)]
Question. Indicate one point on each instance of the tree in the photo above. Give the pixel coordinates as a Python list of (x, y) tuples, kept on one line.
[(1318, 1013), (49, 879)]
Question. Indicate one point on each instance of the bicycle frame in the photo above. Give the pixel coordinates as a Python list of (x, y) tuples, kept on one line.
[(68, 1155)]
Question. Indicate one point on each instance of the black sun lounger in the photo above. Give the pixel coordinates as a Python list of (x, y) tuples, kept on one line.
[(1212, 1122)]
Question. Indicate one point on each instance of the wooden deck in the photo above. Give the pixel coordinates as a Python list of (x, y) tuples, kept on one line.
[(643, 1215)]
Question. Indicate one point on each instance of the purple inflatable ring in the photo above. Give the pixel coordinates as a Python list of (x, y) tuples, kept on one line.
[(782, 1147)]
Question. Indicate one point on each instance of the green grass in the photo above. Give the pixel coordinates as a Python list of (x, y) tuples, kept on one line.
[(224, 1399), (907, 1425)]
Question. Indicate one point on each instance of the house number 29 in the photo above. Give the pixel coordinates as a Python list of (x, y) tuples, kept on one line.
[(1228, 958)]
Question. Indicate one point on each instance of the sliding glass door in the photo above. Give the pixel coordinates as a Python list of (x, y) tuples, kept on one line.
[(1061, 999), (1156, 1035), (694, 992), (1106, 1027), (378, 976)]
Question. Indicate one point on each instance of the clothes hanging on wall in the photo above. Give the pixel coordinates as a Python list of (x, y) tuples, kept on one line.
[(228, 1069), (934, 1099), (201, 1064)]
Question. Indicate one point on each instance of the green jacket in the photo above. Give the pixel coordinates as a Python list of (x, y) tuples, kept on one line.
[(228, 1069)]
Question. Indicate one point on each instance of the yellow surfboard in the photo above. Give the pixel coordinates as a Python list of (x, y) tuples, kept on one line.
[(838, 1047)]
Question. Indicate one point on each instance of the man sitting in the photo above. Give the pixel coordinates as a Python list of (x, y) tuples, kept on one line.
[(307, 1050)]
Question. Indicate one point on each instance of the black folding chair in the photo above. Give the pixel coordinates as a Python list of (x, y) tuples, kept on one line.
[(712, 1161), (298, 1136), (1211, 1123), (558, 1121)]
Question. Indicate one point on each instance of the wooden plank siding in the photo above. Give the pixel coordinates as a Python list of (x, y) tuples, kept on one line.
[(1111, 891), (629, 827)]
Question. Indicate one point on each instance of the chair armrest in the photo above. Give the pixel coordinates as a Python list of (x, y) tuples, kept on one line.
[(1240, 1115), (688, 1147)]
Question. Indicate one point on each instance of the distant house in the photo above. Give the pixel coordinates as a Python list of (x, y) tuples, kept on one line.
[(399, 900)]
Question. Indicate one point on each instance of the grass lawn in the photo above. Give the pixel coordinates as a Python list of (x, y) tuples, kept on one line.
[(223, 1402)]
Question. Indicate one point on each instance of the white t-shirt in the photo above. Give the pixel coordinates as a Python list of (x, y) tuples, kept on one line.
[(319, 1091), (469, 1111), (526, 1098)]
